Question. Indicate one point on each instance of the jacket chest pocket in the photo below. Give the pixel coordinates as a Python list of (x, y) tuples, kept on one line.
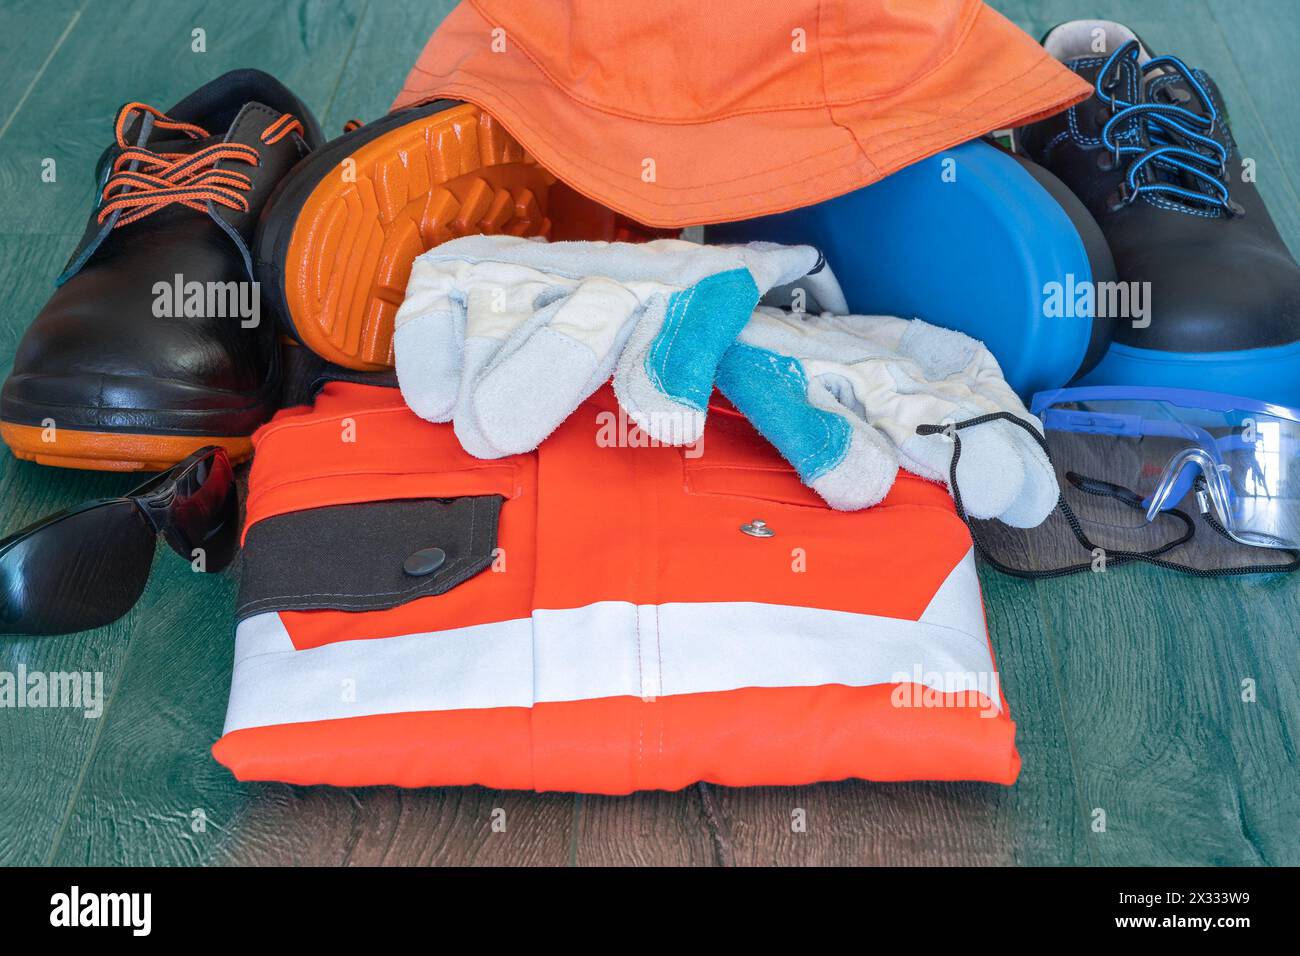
[(734, 460)]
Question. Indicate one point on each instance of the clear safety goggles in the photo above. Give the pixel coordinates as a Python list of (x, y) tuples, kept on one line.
[(1191, 480)]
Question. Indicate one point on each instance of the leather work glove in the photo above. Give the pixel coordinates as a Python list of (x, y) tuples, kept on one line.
[(841, 396), (507, 336)]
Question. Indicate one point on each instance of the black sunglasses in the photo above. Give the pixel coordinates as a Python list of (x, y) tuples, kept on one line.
[(87, 566)]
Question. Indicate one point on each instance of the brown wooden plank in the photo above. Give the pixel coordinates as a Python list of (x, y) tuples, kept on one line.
[(375, 826), (645, 829)]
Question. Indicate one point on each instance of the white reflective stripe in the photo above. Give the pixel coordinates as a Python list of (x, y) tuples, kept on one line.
[(584, 653), (487, 665), (710, 647), (649, 627), (958, 603), (607, 649)]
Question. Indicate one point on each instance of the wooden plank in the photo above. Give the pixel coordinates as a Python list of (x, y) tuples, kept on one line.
[(1151, 666), (1263, 37), (1260, 645), (28, 265), (104, 63), (389, 39), (30, 34), (42, 752), (374, 826), (150, 769), (852, 823), (645, 829)]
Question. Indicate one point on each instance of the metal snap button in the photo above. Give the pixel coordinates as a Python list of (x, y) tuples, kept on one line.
[(425, 561), (757, 529)]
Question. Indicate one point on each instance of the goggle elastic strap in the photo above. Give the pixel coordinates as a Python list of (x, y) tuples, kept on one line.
[(1095, 487)]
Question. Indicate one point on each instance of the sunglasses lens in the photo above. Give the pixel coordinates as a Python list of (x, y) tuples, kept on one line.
[(203, 517), (79, 572)]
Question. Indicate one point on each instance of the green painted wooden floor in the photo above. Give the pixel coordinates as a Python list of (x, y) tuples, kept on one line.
[(1125, 686)]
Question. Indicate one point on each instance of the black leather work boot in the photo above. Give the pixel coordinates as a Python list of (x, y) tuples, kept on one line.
[(155, 342), (1153, 158)]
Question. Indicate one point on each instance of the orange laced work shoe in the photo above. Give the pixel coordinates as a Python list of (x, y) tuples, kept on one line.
[(154, 342)]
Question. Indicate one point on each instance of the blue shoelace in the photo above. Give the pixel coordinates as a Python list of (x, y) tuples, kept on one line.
[(1169, 143)]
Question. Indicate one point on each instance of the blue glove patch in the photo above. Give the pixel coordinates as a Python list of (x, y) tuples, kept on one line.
[(771, 390), (699, 325)]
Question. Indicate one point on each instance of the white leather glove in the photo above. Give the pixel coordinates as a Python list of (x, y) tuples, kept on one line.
[(841, 398), (507, 336)]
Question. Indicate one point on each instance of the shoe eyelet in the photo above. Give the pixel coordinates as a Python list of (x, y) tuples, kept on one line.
[(1105, 160), (1236, 209)]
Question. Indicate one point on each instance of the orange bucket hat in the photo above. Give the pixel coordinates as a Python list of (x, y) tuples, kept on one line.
[(679, 112)]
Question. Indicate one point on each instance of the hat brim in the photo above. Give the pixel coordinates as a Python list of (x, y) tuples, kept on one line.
[(751, 164)]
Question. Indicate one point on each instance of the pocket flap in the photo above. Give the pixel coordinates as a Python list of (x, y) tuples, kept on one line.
[(366, 557)]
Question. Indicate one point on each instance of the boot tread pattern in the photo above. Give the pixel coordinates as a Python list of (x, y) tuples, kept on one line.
[(450, 174)]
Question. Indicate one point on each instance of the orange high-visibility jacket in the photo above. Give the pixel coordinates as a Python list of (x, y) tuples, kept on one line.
[(615, 628)]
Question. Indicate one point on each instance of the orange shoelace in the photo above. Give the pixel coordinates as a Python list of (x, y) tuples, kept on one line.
[(190, 179)]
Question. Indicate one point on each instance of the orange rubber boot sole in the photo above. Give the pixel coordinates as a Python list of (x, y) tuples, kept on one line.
[(349, 238), (112, 451)]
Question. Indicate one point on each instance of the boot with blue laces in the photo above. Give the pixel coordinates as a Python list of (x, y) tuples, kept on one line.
[(1213, 293)]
